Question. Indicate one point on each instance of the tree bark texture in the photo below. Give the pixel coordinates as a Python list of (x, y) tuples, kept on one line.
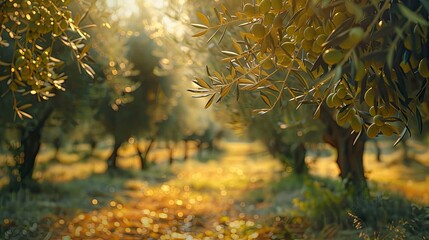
[(143, 157), (298, 154), (112, 160), (349, 153), (31, 138), (185, 150)]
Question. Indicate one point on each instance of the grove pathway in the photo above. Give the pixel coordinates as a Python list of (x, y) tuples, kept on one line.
[(218, 199)]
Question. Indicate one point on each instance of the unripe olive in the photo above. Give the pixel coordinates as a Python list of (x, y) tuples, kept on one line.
[(356, 123), (339, 18), (407, 42), (336, 101), (264, 6), (424, 68), (378, 120), (277, 5), (306, 44), (373, 130), (330, 101), (388, 130), (332, 56), (269, 19), (258, 30), (291, 30), (288, 47), (341, 93), (341, 118), (405, 67), (320, 39), (249, 10), (369, 96), (309, 33)]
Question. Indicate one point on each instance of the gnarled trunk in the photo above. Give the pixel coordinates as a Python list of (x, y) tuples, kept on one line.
[(143, 157), (298, 154), (170, 147), (31, 138), (377, 151), (112, 160), (405, 158), (57, 145), (349, 154), (186, 150), (295, 153)]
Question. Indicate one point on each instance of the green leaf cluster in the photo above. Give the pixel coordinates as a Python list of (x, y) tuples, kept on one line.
[(366, 60)]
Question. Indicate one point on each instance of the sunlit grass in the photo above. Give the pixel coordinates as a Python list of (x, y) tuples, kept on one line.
[(410, 180), (241, 193), (202, 200)]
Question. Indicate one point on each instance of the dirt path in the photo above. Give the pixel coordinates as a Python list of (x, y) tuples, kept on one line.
[(233, 195), (194, 200)]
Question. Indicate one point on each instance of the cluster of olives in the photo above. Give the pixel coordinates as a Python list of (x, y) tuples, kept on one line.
[(377, 121), (299, 34), (414, 41), (279, 39), (26, 22), (421, 65), (276, 49), (343, 99), (32, 69), (37, 17)]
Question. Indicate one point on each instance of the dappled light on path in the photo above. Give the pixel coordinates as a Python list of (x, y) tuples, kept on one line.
[(200, 201)]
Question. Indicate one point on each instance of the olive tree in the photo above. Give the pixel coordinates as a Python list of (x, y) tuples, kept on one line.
[(286, 133), (50, 56), (30, 35), (181, 58), (362, 65)]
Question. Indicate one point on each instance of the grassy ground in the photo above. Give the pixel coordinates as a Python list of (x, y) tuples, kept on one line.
[(241, 193), (407, 179)]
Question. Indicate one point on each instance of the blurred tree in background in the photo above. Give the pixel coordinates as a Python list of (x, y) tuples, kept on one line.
[(137, 69), (83, 87)]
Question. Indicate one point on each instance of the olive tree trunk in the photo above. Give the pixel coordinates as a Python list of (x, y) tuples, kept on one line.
[(113, 158), (170, 147), (185, 149), (349, 154), (31, 138), (298, 156), (291, 154), (143, 156)]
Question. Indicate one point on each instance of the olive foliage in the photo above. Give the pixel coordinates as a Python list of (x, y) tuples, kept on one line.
[(30, 34), (367, 61)]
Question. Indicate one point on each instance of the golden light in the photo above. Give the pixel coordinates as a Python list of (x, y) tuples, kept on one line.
[(160, 23)]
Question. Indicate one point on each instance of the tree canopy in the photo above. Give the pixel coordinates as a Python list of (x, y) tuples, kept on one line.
[(366, 60), (31, 33)]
